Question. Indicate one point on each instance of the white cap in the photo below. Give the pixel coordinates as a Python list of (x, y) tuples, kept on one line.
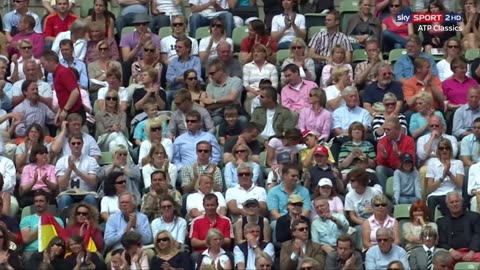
[(325, 182)]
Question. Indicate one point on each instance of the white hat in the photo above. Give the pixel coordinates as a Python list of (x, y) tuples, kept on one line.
[(325, 182)]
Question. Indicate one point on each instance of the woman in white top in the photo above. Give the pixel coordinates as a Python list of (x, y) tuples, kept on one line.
[(170, 220), (153, 129), (158, 160), (115, 184), (25, 47), (299, 57), (451, 49), (444, 174), (341, 79), (288, 25), (214, 254), (208, 45)]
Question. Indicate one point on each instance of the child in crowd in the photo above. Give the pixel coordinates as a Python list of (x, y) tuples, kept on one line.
[(406, 182), (337, 57), (151, 111), (230, 126)]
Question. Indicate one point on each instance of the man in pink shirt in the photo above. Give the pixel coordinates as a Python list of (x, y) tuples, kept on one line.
[(296, 91)]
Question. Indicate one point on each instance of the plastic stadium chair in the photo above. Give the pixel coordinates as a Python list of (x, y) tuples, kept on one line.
[(84, 7), (467, 266), (395, 54), (389, 188), (128, 29), (313, 30), (165, 31), (314, 19), (402, 211), (359, 55), (202, 32), (350, 6), (438, 214), (472, 54), (106, 158), (282, 55), (239, 33)]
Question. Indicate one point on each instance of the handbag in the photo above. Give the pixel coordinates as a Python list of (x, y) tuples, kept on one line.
[(245, 12)]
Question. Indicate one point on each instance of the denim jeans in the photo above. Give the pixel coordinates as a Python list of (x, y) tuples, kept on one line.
[(158, 22), (284, 45), (407, 199), (392, 41), (123, 21), (67, 200), (383, 173), (197, 21)]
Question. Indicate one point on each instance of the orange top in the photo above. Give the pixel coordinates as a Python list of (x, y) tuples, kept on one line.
[(412, 87)]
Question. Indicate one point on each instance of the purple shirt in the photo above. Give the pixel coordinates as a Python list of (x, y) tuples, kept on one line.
[(456, 91), (294, 99), (320, 122), (131, 40), (37, 41)]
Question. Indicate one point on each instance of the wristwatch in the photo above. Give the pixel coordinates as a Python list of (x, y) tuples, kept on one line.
[(255, 247)]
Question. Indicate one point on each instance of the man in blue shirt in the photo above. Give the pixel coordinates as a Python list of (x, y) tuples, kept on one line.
[(185, 146), (68, 60), (379, 256), (403, 68)]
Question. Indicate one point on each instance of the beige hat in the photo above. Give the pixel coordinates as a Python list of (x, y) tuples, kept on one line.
[(295, 198)]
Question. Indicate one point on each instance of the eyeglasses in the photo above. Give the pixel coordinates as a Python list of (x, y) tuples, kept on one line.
[(191, 120), (111, 98), (379, 240), (390, 104), (381, 204), (387, 74), (244, 174), (148, 50), (205, 151), (76, 143), (163, 239), (434, 126), (265, 265), (169, 206), (302, 229), (177, 24), (217, 25), (142, 23), (26, 48), (82, 213), (394, 6), (124, 154), (296, 47), (298, 204), (212, 73), (192, 78), (102, 49), (240, 151), (444, 148), (122, 182), (453, 46), (155, 129)]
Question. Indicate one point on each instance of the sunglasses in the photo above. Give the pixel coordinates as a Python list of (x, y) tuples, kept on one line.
[(391, 104), (387, 74), (143, 23), (434, 126), (192, 78), (217, 25), (121, 182), (111, 98), (148, 50), (379, 240), (381, 204), (124, 154), (394, 6), (163, 239), (240, 151), (444, 148), (191, 121), (155, 129), (298, 204), (306, 268), (205, 151), (212, 73), (265, 265), (102, 49), (302, 229), (82, 214), (244, 174), (453, 46), (26, 48), (167, 206), (296, 47), (76, 143), (177, 24)]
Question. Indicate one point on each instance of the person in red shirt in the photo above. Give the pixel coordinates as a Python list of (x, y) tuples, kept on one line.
[(65, 86), (58, 22), (390, 148), (210, 220), (257, 34)]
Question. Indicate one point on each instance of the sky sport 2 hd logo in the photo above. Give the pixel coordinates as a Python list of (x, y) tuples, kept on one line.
[(447, 22)]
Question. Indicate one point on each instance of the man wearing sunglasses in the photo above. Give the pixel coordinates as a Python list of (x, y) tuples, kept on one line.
[(168, 48), (300, 247), (379, 256), (203, 11), (131, 44)]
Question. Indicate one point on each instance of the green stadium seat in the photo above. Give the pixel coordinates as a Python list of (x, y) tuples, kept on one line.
[(238, 34), (128, 29), (202, 32), (467, 266), (106, 158), (359, 55), (472, 54), (389, 188), (84, 7), (314, 19), (282, 55), (165, 31), (438, 214), (402, 211), (262, 159), (395, 54), (313, 30), (349, 6)]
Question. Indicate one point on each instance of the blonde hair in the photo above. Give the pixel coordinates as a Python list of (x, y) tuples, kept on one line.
[(338, 72), (425, 96), (152, 122)]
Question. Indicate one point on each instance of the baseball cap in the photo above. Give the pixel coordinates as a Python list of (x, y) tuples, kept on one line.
[(295, 198), (251, 202), (307, 132), (284, 157), (325, 182), (406, 157), (320, 150)]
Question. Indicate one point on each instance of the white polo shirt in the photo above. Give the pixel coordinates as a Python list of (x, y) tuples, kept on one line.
[(241, 195)]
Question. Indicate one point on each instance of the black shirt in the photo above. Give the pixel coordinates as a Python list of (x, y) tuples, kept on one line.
[(255, 145), (459, 232), (139, 93)]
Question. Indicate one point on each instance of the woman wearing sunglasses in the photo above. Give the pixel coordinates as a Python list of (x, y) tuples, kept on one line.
[(192, 84), (394, 33), (380, 219), (390, 104), (168, 255), (241, 153), (115, 184), (170, 219), (452, 48), (299, 57), (111, 124), (16, 65), (418, 125), (153, 129), (150, 60), (83, 219), (158, 160), (53, 255), (208, 45), (103, 62)]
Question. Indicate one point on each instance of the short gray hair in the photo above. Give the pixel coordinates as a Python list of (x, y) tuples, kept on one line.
[(211, 233), (386, 231), (245, 165), (78, 24), (263, 255), (379, 66), (223, 43), (312, 261), (451, 193), (348, 90), (131, 194), (442, 256), (389, 96)]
